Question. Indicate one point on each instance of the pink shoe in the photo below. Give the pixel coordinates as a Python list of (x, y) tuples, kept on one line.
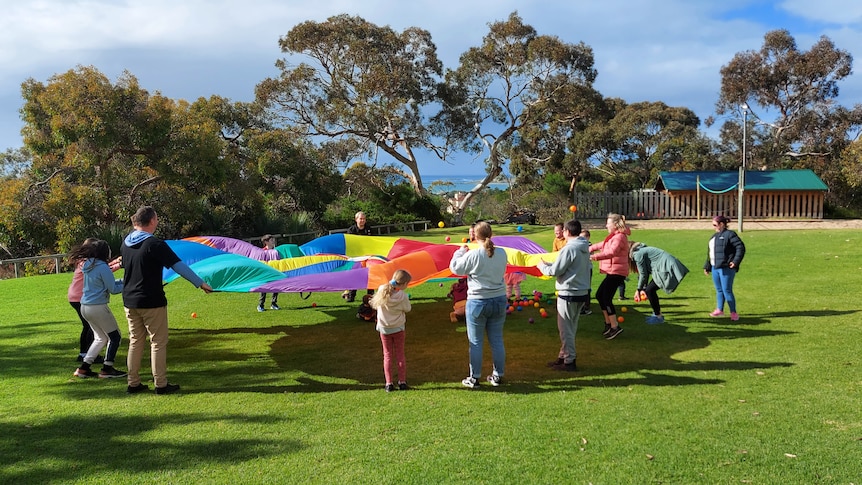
[(734, 316), (716, 313)]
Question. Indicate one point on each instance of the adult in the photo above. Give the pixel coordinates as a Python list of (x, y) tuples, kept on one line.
[(484, 267), (725, 251), (144, 255), (613, 257), (656, 269), (359, 228), (268, 241), (572, 271), (559, 237)]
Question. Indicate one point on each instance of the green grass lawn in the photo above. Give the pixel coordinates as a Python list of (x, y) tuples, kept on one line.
[(296, 396)]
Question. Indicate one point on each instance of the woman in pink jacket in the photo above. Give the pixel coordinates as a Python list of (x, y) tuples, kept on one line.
[(613, 257)]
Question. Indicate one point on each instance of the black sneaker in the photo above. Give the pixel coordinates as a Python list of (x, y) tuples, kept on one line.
[(402, 386), (614, 332), (137, 389), (390, 387), (274, 307), (470, 382), (607, 330), (99, 360), (109, 372), (570, 367), (84, 373), (559, 361), (586, 311), (169, 388)]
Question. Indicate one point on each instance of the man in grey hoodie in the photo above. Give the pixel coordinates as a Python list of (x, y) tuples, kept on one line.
[(144, 256), (572, 271)]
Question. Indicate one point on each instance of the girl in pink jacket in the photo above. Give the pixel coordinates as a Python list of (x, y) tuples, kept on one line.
[(613, 257)]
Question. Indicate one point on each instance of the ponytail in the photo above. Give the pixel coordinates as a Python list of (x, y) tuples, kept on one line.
[(400, 277), (483, 234)]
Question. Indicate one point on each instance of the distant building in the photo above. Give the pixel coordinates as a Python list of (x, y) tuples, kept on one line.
[(769, 194)]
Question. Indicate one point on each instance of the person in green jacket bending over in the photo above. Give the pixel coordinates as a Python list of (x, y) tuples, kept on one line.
[(666, 271)]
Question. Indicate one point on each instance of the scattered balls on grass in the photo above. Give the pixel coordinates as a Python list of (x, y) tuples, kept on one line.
[(624, 309), (448, 238), (194, 315), (530, 320), (441, 224), (620, 319)]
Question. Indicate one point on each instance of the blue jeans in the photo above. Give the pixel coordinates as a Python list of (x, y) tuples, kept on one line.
[(486, 316), (722, 278)]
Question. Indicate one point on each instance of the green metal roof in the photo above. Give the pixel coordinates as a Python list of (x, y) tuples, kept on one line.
[(754, 180)]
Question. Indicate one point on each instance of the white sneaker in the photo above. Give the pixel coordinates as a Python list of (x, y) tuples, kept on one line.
[(470, 382), (494, 379)]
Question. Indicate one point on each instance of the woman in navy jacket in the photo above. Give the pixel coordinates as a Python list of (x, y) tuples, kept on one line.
[(725, 253)]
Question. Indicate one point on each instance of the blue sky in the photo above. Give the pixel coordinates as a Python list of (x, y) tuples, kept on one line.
[(647, 50)]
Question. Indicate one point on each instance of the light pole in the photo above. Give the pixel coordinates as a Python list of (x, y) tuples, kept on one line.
[(741, 207)]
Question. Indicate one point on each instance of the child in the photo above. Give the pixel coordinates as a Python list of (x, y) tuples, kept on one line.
[(622, 289), (392, 304), (268, 241), (458, 293), (513, 284), (99, 284), (586, 309), (365, 311), (76, 289)]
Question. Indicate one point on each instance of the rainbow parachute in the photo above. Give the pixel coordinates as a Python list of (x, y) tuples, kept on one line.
[(332, 263)]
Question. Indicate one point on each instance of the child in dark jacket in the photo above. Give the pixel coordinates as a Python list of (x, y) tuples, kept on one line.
[(366, 312), (458, 294)]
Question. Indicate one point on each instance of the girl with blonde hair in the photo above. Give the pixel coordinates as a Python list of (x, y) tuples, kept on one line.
[(392, 304)]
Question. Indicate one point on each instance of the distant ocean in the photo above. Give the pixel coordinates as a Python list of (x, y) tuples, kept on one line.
[(457, 183)]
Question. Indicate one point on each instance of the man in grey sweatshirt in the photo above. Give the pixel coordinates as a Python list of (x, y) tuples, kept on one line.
[(572, 271)]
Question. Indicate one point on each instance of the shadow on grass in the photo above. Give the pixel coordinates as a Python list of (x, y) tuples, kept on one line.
[(76, 448), (345, 353)]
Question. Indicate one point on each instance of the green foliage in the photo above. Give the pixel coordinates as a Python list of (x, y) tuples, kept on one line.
[(364, 83), (798, 88), (489, 204), (385, 196)]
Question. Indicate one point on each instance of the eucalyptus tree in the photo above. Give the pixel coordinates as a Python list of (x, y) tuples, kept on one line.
[(503, 91), (101, 148), (648, 137), (788, 98), (364, 83)]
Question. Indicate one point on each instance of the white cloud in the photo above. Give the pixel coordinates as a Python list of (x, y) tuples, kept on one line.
[(652, 50)]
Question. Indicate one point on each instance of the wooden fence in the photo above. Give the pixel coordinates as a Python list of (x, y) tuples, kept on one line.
[(650, 204)]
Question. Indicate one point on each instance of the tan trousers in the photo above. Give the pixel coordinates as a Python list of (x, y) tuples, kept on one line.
[(152, 322)]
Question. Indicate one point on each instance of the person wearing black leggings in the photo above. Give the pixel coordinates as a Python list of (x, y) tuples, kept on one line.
[(613, 257)]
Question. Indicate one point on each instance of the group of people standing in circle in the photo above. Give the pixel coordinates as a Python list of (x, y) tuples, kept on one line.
[(484, 267)]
